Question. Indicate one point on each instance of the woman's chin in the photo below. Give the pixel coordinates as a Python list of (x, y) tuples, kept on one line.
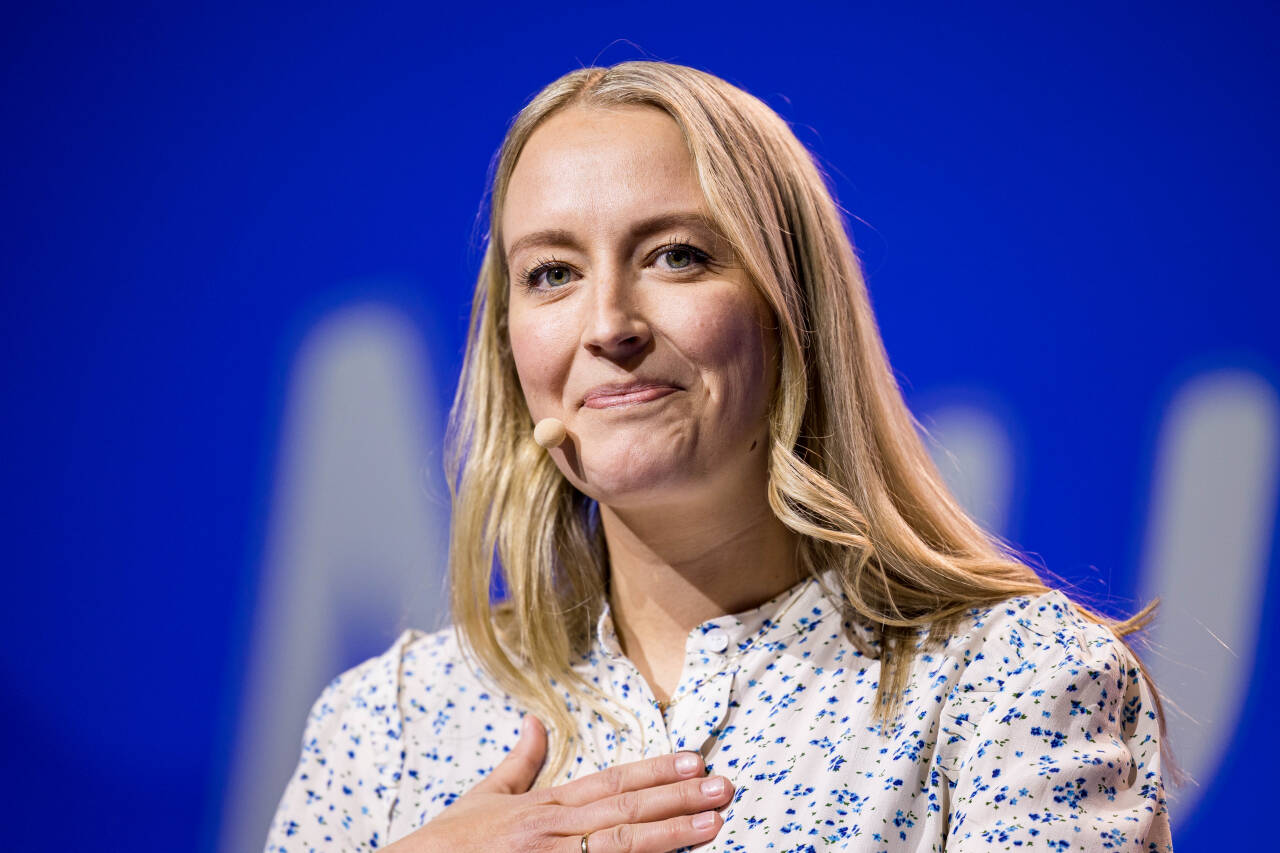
[(633, 475), (633, 487)]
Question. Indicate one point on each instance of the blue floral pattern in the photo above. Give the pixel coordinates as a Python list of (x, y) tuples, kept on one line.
[(1029, 729)]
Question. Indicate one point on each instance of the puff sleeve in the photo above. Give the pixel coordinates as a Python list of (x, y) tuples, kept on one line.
[(342, 793), (1050, 740)]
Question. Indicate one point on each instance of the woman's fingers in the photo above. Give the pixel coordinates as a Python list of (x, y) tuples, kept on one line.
[(652, 806), (635, 776), (517, 771), (655, 804), (657, 837)]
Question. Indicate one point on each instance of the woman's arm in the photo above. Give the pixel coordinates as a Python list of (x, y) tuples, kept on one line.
[(1050, 742)]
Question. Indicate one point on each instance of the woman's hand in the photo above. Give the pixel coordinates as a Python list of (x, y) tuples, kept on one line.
[(651, 806)]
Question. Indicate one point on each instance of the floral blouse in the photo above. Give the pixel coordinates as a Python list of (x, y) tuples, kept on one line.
[(1029, 729)]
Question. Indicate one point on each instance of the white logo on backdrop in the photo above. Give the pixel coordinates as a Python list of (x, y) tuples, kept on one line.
[(1206, 551), (356, 541)]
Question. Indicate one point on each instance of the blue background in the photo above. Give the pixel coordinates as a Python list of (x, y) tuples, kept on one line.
[(1070, 206)]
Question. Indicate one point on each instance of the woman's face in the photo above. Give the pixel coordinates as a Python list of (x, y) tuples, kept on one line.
[(630, 320)]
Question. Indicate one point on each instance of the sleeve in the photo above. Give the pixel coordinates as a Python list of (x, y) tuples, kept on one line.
[(1051, 741), (342, 793)]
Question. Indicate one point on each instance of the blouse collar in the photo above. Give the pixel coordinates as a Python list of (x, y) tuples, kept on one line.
[(790, 612)]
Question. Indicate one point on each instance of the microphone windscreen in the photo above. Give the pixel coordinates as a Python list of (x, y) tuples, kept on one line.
[(549, 433)]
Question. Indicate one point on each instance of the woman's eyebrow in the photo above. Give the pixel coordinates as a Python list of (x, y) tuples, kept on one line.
[(644, 228), (664, 221)]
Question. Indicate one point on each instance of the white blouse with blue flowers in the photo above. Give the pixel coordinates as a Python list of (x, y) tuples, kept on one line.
[(1030, 729)]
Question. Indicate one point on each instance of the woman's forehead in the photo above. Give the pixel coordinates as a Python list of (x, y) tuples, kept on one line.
[(597, 171)]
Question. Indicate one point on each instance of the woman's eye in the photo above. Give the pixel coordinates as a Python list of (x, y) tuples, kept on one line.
[(683, 257), (557, 276), (547, 276), (678, 258)]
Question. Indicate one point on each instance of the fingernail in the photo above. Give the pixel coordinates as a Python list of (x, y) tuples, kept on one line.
[(703, 820), (713, 787), (524, 727), (686, 764)]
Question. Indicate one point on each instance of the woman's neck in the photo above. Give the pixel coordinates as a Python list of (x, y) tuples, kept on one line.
[(672, 570)]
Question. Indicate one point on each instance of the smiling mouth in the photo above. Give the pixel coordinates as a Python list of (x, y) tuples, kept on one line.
[(628, 397)]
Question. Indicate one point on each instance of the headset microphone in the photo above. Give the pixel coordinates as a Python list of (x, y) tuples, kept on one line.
[(550, 433)]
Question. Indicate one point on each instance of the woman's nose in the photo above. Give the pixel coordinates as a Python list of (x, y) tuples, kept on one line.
[(615, 327)]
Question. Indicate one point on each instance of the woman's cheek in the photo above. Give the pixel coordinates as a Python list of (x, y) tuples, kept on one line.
[(541, 362), (727, 340)]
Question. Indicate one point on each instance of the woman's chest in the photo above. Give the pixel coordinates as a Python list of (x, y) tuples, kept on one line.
[(833, 783), (796, 736), (811, 767)]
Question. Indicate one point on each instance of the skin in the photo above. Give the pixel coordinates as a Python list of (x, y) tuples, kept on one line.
[(680, 468)]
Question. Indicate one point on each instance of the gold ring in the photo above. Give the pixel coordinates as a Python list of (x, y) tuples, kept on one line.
[(584, 843)]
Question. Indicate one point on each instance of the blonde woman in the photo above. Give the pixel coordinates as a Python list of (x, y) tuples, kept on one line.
[(743, 612)]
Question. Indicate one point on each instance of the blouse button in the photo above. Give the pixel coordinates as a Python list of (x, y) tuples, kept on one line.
[(717, 640)]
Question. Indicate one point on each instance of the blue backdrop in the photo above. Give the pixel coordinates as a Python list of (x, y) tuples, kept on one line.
[(225, 224)]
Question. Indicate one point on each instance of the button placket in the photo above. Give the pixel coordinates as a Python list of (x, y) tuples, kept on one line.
[(701, 702), (700, 714), (634, 693)]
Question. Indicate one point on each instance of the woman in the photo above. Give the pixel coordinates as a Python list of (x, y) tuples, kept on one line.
[(742, 609)]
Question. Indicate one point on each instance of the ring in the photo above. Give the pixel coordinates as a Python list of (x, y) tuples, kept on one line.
[(584, 843)]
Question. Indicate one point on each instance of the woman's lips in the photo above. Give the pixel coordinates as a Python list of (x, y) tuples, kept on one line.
[(609, 399)]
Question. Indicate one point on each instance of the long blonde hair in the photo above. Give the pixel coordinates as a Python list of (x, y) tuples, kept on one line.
[(848, 470)]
